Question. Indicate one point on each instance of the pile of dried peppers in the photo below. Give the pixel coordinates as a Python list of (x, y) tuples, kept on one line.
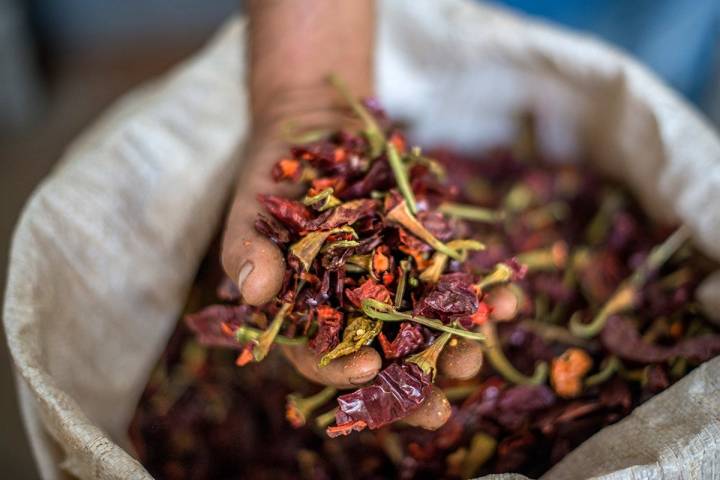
[(402, 251)]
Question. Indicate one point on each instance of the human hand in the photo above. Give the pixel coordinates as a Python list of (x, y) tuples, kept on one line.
[(258, 267), (287, 86)]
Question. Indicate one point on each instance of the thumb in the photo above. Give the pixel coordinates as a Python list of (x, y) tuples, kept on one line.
[(254, 262)]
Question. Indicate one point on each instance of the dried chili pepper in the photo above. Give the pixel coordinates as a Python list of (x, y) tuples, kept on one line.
[(395, 392)]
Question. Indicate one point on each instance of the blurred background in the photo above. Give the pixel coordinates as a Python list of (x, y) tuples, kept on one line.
[(64, 61)]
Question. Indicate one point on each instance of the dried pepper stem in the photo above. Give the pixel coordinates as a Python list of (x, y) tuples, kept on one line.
[(326, 196), (432, 273), (427, 359), (436, 168), (439, 260), (382, 311), (518, 198), (625, 297), (339, 244), (482, 448), (246, 333), (502, 364), (290, 133), (266, 339), (308, 247), (596, 231), (470, 212), (401, 176), (362, 262), (392, 445), (299, 408), (578, 260), (501, 273), (556, 333), (635, 375), (545, 215), (459, 393), (324, 420), (544, 259), (402, 280), (402, 215), (372, 131), (612, 365), (679, 368)]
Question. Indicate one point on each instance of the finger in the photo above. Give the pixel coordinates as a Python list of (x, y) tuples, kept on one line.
[(345, 372), (460, 359), (504, 303), (433, 413), (253, 261)]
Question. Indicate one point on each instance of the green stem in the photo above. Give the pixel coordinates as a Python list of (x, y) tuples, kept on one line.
[(401, 176), (503, 366), (416, 157), (427, 359), (599, 226), (323, 420), (400, 291), (382, 311), (245, 333), (300, 408), (482, 448), (550, 258), (374, 134), (290, 134), (402, 215), (458, 393), (555, 333), (339, 244), (471, 212), (625, 297), (569, 282), (679, 367), (326, 196), (501, 273), (266, 338), (612, 365)]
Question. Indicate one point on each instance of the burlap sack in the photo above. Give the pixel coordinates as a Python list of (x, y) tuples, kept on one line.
[(108, 244)]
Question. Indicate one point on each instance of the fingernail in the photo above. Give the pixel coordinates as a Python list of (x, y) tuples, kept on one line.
[(245, 270)]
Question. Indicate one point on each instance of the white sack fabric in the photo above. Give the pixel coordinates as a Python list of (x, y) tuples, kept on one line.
[(108, 245)]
